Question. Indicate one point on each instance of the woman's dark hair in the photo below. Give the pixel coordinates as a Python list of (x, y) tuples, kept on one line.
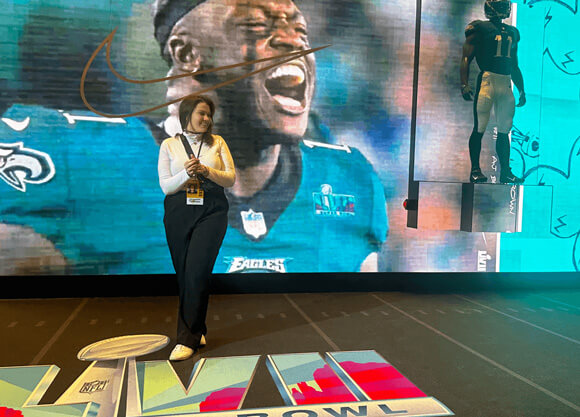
[(186, 109)]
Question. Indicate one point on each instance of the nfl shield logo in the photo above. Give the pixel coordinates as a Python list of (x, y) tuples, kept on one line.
[(254, 223)]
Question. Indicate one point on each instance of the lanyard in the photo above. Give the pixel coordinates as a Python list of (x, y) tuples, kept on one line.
[(199, 149), (187, 146)]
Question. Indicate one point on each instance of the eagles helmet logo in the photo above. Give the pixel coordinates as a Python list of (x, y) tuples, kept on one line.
[(497, 9), (20, 165)]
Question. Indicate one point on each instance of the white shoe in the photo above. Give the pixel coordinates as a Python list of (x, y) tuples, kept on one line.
[(180, 353), (202, 341)]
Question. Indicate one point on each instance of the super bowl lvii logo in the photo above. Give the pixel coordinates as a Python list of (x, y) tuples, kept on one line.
[(336, 384)]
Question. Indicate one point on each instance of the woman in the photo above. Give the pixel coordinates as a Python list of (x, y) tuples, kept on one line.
[(194, 166)]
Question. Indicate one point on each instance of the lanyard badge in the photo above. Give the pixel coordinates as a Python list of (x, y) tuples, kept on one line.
[(194, 193)]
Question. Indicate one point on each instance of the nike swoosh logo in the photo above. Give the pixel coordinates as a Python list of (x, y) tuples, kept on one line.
[(16, 125), (109, 40)]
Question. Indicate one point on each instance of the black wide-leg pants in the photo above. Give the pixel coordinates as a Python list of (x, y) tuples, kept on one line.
[(194, 235)]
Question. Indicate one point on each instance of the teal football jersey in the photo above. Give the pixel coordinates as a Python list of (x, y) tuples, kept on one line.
[(336, 219), (88, 184)]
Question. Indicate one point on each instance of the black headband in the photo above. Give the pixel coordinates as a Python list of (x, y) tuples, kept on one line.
[(166, 13)]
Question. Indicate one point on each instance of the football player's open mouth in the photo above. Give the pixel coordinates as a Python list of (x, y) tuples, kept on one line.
[(286, 85)]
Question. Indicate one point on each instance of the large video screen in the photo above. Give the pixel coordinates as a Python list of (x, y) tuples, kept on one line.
[(321, 144)]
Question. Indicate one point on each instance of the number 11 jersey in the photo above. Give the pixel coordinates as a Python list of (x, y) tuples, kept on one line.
[(495, 45)]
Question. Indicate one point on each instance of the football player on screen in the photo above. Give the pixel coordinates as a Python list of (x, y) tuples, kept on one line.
[(296, 201), (494, 45), (76, 191)]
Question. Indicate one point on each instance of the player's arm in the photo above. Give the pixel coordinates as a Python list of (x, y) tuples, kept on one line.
[(25, 252), (378, 228), (467, 57), (517, 77), (371, 263)]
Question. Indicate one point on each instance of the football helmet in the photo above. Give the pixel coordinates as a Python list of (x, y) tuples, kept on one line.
[(497, 9)]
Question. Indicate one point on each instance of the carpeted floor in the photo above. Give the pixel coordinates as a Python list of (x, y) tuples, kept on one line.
[(481, 354)]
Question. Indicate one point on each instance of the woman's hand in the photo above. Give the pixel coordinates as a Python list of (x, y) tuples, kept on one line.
[(194, 167)]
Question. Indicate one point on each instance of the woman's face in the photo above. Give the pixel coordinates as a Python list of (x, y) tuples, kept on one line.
[(200, 118)]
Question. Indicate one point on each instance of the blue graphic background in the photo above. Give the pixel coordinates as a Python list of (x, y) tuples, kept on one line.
[(547, 145)]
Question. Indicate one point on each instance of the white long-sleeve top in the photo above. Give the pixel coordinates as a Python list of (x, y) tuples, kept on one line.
[(172, 157)]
